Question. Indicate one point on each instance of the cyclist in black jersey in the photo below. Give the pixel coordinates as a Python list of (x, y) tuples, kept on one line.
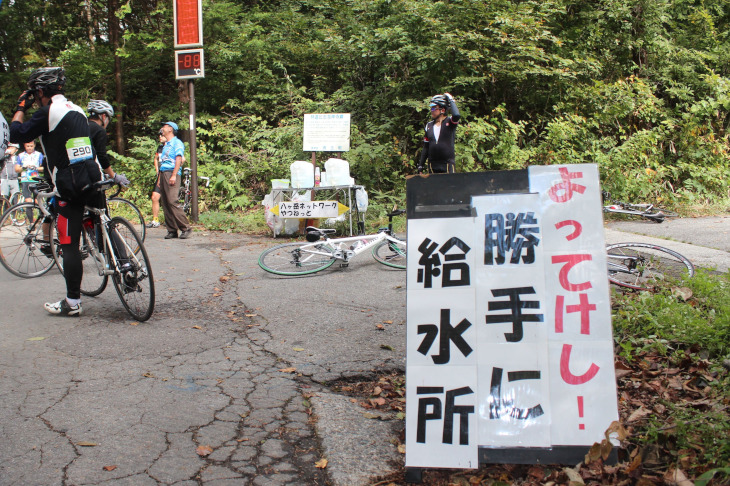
[(440, 136), (100, 115), (71, 160)]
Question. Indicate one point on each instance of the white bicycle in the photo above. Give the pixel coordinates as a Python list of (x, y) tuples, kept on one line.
[(320, 251)]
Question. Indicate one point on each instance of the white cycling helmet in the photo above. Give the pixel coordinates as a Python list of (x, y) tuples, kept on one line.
[(100, 107), (4, 135)]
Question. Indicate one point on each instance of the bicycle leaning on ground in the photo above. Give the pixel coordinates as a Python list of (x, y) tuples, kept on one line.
[(648, 211), (643, 266), (185, 196), (303, 258), (111, 247)]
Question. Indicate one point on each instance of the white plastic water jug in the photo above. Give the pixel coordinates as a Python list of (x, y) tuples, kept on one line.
[(302, 174), (338, 172)]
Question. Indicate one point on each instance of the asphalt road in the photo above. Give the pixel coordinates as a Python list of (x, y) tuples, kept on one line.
[(234, 359)]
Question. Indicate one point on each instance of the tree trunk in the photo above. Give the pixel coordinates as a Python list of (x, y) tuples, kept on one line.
[(89, 24), (119, 96)]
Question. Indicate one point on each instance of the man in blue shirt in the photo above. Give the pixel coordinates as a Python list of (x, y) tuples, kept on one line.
[(170, 170)]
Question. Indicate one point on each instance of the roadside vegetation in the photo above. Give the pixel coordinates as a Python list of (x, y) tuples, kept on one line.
[(640, 87)]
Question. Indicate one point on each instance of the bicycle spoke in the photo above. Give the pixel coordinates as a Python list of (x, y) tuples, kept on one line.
[(643, 266), (296, 259)]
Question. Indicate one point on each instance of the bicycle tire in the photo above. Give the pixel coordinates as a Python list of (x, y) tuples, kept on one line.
[(4, 205), (20, 245), (136, 286), (391, 254), (286, 260), (118, 206), (94, 280), (657, 263)]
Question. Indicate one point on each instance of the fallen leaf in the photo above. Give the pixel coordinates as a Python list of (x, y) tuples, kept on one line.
[(387, 322), (148, 375), (387, 346), (39, 338), (109, 468), (224, 278), (638, 414), (298, 349), (197, 327), (380, 327), (288, 370), (204, 451), (371, 416), (250, 315), (190, 280), (402, 448), (573, 475), (683, 293), (377, 390), (134, 323), (86, 444), (321, 464)]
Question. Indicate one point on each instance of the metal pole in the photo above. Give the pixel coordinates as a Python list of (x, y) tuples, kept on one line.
[(193, 155)]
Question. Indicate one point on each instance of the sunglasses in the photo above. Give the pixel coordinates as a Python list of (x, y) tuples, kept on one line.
[(434, 108)]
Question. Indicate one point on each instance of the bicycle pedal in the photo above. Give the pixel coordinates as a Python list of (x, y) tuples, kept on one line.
[(344, 265)]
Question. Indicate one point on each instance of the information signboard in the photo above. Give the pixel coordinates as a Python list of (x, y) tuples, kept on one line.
[(509, 342), (309, 209), (326, 132)]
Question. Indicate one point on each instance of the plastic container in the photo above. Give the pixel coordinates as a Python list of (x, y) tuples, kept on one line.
[(338, 172), (361, 198), (316, 176), (323, 179), (302, 174), (279, 183)]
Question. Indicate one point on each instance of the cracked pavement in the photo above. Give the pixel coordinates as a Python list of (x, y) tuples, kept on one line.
[(102, 399)]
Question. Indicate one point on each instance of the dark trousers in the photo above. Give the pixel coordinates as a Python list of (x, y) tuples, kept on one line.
[(175, 219)]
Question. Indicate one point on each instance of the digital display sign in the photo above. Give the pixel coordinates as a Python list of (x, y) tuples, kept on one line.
[(188, 17), (189, 64)]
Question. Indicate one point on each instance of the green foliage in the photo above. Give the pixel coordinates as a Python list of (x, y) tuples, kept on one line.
[(665, 323), (641, 88)]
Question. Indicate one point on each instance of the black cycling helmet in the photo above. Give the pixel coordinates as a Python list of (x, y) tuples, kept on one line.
[(440, 101), (50, 79)]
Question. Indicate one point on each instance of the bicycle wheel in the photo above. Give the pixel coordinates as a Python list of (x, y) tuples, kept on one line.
[(291, 259), (642, 266), (119, 206), (20, 244), (134, 284), (391, 254)]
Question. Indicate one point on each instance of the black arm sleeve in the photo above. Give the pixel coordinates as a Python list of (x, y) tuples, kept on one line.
[(424, 152), (455, 115), (32, 129), (99, 139)]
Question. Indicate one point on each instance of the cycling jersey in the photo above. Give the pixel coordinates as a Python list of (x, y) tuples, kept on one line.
[(170, 151), (30, 164), (64, 133), (99, 139), (438, 143)]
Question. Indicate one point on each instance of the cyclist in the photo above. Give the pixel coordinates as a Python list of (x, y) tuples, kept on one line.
[(71, 161), (100, 116), (440, 136), (29, 164), (8, 177)]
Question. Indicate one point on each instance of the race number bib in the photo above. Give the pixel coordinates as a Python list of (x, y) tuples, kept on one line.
[(79, 149)]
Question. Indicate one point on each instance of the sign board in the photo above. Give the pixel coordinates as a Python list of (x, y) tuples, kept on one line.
[(309, 209), (327, 132), (188, 22), (189, 64), (509, 340)]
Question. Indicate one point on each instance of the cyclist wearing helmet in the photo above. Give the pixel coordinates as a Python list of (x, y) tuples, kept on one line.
[(440, 136), (71, 161), (100, 115)]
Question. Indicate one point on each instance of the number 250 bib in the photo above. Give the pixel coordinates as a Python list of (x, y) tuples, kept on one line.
[(79, 149)]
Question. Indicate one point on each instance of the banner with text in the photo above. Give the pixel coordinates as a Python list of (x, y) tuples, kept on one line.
[(509, 341)]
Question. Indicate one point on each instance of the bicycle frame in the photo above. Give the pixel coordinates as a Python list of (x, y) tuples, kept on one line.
[(341, 248)]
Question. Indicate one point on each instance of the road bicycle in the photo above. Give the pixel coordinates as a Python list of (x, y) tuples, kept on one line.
[(111, 247), (25, 249), (119, 206), (304, 258), (643, 266), (185, 196), (647, 211)]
